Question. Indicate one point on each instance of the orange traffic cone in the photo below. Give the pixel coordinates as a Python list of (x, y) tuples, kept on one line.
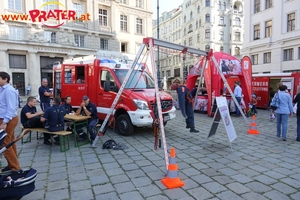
[(172, 180), (253, 128)]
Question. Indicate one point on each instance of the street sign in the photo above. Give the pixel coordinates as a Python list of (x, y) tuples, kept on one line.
[(222, 112)]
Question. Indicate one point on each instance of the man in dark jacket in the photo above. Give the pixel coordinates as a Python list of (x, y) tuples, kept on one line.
[(45, 94), (297, 101), (186, 104), (30, 118), (69, 110), (87, 108), (54, 118)]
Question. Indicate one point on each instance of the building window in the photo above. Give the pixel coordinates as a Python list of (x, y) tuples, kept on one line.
[(123, 23), (50, 36), (207, 3), (190, 28), (176, 72), (207, 18), (219, 5), (191, 15), (198, 37), (139, 3), (237, 36), (254, 59), (79, 40), (268, 28), (196, 24), (221, 48), (207, 33), (221, 21), (269, 4), (102, 17), (123, 1), (49, 6), (184, 19), (184, 31), (184, 42), (267, 57), (256, 32), (103, 44), (291, 22), (224, 6), (139, 26), (79, 10), (190, 41), (15, 33), (124, 47), (256, 6), (17, 61), (168, 73), (237, 21), (14, 4), (198, 9), (221, 35), (288, 54)]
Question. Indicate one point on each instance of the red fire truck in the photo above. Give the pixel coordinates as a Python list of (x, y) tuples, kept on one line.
[(100, 78), (264, 85)]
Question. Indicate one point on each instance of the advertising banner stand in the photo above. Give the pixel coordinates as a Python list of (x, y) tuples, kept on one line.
[(222, 112)]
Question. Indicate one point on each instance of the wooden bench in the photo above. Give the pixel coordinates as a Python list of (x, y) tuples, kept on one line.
[(64, 139)]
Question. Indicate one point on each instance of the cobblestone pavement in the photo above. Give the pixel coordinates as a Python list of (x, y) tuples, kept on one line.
[(259, 166)]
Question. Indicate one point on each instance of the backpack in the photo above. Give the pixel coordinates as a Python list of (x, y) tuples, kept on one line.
[(111, 144), (275, 102)]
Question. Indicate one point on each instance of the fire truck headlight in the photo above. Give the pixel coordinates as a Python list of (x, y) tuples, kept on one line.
[(141, 104)]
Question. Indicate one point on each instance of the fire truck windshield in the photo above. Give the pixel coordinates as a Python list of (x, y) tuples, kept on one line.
[(138, 79)]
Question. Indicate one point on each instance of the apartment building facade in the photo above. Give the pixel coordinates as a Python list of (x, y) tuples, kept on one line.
[(272, 36), (29, 48), (205, 25)]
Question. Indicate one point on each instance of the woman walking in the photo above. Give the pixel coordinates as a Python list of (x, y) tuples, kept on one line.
[(283, 111)]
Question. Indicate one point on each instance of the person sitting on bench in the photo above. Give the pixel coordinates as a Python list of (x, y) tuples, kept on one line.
[(54, 118), (30, 118), (69, 110)]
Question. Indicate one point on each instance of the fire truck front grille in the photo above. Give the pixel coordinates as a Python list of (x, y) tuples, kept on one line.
[(165, 105)]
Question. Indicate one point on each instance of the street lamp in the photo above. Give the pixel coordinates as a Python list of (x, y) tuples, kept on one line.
[(158, 61)]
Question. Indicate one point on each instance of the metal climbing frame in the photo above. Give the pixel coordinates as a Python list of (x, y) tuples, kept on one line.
[(150, 43)]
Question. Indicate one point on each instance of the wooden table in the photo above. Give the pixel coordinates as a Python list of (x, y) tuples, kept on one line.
[(78, 120)]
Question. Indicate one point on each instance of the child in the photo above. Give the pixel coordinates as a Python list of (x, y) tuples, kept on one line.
[(253, 103)]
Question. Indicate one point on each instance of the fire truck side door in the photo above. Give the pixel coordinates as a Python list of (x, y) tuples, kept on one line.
[(289, 82), (106, 93)]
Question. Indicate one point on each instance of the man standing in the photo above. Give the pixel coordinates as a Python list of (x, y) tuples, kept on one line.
[(45, 94), (238, 95), (186, 104), (54, 119), (87, 108), (28, 88), (19, 100), (9, 119), (30, 118)]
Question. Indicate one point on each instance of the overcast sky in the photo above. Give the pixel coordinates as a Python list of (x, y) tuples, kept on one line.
[(164, 5)]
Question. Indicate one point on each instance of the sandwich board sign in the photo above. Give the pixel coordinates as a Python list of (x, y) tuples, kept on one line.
[(222, 112)]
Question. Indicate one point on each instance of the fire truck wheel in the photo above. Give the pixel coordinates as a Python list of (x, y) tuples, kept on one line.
[(124, 125)]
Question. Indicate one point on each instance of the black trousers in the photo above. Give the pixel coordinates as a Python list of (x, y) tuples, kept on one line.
[(35, 122)]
